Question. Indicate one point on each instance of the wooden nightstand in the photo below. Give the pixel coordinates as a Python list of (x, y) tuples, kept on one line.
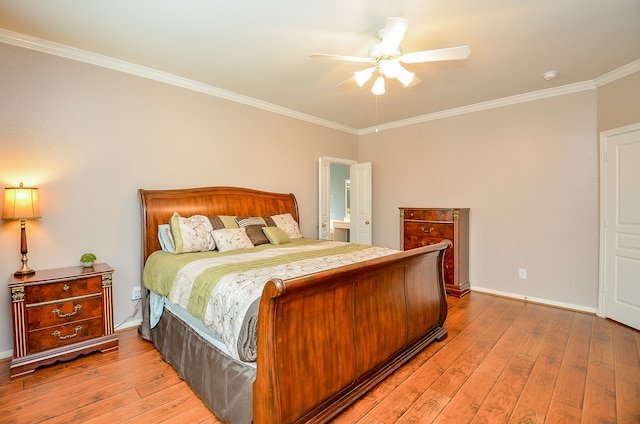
[(59, 314)]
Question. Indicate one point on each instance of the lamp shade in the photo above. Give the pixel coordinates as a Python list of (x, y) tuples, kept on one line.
[(21, 203)]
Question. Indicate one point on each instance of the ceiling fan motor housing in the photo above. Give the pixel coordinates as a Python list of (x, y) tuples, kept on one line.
[(377, 52)]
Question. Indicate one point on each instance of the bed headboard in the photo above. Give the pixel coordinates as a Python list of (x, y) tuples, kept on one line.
[(158, 206)]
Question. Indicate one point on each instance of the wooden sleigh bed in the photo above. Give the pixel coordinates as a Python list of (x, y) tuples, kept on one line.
[(323, 339)]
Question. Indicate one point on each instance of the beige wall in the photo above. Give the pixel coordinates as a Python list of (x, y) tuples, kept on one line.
[(529, 173), (90, 137), (619, 103)]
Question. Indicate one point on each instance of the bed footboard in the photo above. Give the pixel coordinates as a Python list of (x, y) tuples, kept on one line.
[(320, 350)]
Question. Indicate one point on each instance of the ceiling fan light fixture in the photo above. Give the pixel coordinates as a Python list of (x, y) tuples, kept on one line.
[(390, 68), (387, 57), (363, 76), (405, 77), (378, 86)]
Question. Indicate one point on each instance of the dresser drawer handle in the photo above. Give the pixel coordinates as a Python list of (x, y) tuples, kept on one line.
[(425, 230), (65, 287), (57, 313), (68, 336)]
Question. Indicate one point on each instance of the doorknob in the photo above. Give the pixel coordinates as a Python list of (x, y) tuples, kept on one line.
[(366, 222)]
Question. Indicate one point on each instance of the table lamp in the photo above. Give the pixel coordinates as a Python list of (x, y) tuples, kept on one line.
[(21, 203)]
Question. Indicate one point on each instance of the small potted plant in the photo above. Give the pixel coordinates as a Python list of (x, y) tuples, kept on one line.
[(87, 259)]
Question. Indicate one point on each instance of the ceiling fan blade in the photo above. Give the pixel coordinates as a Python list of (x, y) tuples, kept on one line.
[(450, 53), (339, 57), (394, 30), (348, 82)]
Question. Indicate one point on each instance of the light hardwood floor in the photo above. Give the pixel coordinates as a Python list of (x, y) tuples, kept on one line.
[(505, 361)]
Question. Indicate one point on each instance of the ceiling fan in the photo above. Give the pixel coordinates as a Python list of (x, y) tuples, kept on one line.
[(387, 58)]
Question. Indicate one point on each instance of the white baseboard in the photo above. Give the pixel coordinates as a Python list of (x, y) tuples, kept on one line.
[(579, 308), (127, 324)]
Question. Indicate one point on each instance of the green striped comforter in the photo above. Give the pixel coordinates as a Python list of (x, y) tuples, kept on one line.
[(223, 289)]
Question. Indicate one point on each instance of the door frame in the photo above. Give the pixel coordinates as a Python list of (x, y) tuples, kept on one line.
[(604, 136), (330, 160)]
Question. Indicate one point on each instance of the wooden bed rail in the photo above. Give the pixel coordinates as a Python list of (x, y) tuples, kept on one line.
[(319, 350)]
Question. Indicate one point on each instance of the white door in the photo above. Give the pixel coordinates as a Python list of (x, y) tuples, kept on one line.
[(360, 225), (620, 199), (324, 211)]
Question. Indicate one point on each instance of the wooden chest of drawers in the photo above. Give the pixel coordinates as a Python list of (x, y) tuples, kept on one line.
[(424, 226), (59, 314)]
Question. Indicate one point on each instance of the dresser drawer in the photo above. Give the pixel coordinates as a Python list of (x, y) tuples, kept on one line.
[(62, 335), (63, 290), (412, 242), (428, 229), (56, 313), (429, 214)]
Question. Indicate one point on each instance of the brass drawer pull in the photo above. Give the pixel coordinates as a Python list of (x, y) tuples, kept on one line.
[(57, 313), (425, 230), (68, 336), (65, 287)]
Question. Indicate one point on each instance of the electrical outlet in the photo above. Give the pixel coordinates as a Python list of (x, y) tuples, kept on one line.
[(522, 273), (136, 293)]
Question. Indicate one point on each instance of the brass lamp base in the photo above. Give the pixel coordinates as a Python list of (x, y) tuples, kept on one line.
[(25, 270), (22, 272)]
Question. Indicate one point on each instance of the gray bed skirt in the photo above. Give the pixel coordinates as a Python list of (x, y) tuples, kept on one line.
[(224, 384)]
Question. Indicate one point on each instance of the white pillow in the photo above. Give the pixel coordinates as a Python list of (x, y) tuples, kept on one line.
[(191, 234), (228, 239), (289, 225)]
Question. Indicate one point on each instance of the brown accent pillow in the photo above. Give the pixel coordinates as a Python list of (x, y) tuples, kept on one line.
[(256, 235), (219, 222)]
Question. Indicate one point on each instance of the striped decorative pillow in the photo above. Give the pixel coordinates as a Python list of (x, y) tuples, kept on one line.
[(254, 220), (254, 226)]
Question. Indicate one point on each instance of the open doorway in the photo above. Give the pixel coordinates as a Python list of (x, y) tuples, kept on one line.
[(344, 200)]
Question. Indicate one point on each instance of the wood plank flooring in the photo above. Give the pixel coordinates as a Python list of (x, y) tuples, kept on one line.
[(504, 361)]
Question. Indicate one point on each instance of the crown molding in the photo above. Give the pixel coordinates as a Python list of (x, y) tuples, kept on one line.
[(49, 47), (491, 104), (616, 74), (607, 78)]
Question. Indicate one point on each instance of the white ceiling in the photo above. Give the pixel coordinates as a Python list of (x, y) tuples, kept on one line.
[(259, 49)]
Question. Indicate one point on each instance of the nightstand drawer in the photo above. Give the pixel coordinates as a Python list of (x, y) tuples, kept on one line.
[(62, 335), (62, 290), (56, 313)]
